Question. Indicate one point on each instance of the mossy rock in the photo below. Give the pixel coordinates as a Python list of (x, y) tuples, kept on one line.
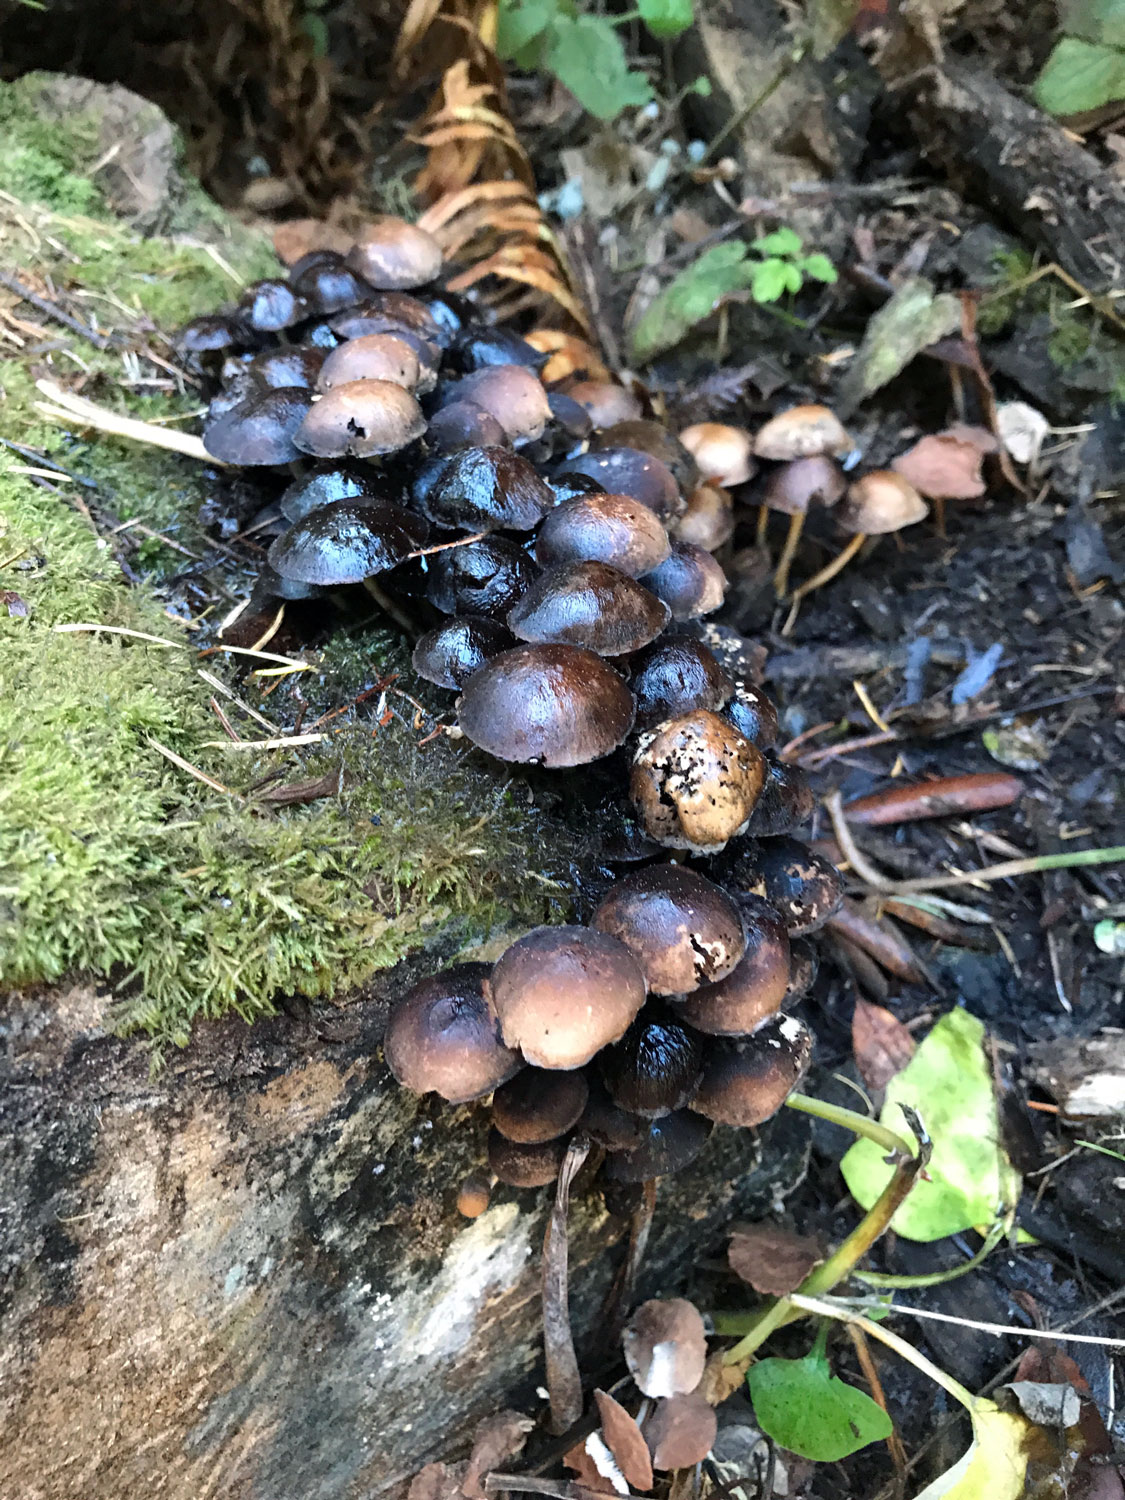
[(115, 862)]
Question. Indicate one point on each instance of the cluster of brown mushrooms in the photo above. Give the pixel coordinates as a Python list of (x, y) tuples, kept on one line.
[(564, 544)]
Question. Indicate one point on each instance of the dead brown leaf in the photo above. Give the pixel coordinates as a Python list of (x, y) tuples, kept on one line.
[(623, 1439), (495, 1441), (881, 1044), (297, 792), (772, 1259)]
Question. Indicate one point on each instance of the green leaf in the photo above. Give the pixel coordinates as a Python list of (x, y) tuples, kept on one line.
[(819, 267), (995, 1465), (770, 278), (317, 32), (586, 56), (690, 298), (1079, 76), (802, 1406), (1095, 21), (784, 241), (666, 18), (701, 87), (520, 22), (949, 1083)]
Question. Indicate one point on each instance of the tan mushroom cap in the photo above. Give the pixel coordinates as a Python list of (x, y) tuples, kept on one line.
[(943, 466), (804, 482), (392, 255), (666, 1347), (756, 987), (802, 432), (362, 419), (747, 1079), (376, 356), (513, 394), (680, 1431), (606, 401), (564, 993), (682, 929), (695, 781), (880, 502), (723, 454), (708, 520)]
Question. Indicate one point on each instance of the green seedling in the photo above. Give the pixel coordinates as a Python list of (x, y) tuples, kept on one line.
[(803, 1407)]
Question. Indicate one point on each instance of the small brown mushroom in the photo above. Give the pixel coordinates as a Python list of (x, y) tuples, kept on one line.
[(486, 577), (723, 454), (485, 489), (683, 929), (786, 801), (748, 1079), (392, 255), (449, 654), (346, 542), (708, 519), (378, 356), (794, 489), (524, 1166), (589, 604), (555, 704), (689, 581), (513, 394), (537, 1105), (756, 986), (443, 1037), (666, 1347), (804, 961), (261, 429), (669, 1144), (563, 993), (675, 675), (753, 714), (801, 885), (653, 1069), (802, 432), (658, 441), (362, 419), (680, 1431), (877, 503), (695, 781), (613, 529), (606, 401), (473, 1196), (627, 471)]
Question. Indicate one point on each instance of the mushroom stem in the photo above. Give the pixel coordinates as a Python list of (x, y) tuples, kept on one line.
[(763, 524), (390, 608), (788, 552), (830, 569)]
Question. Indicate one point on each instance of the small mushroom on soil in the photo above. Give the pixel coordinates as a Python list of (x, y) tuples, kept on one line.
[(452, 652), (589, 604), (747, 1079), (347, 541), (689, 581), (794, 489), (613, 529), (723, 454), (802, 432), (473, 1196), (487, 577), (669, 1144), (555, 704), (563, 993), (537, 1105), (392, 255), (260, 429), (623, 1438), (682, 928), (680, 1431), (203, 342), (486, 489), (658, 441), (443, 1037), (606, 402), (695, 781), (377, 356), (876, 503), (708, 519), (476, 347), (666, 1347), (654, 1069), (755, 988), (627, 471), (675, 675), (524, 1166), (326, 283), (362, 419)]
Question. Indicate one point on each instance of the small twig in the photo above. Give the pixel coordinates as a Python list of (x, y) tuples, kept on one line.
[(1033, 865), (186, 765), (833, 806), (281, 742), (867, 1365), (53, 311), (63, 407), (564, 1382), (839, 1306)]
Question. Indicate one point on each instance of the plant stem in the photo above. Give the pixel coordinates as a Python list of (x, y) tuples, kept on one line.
[(1030, 866), (939, 1278), (850, 1119)]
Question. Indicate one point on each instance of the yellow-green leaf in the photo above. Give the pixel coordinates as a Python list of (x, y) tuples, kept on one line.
[(994, 1466)]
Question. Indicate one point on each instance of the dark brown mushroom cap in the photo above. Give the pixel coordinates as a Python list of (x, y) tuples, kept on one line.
[(670, 1143), (753, 714), (566, 485), (880, 502), (362, 419), (755, 988), (666, 1347), (326, 284), (589, 604), (786, 801), (743, 659), (212, 334), (606, 401), (607, 1123), (613, 529), (569, 417), (393, 255), (324, 484), (564, 993), (689, 581), (556, 705), (451, 313), (804, 962), (683, 929), (654, 1068), (513, 394), (539, 1105), (269, 306), (802, 432), (524, 1166), (388, 312), (269, 585), (464, 424), (675, 675), (347, 541), (627, 471), (695, 781), (443, 1037), (747, 1079), (657, 441), (452, 652), (288, 365), (376, 356), (487, 489), (708, 519), (801, 885), (476, 346), (723, 454), (260, 429), (488, 577), (680, 1431), (796, 487)]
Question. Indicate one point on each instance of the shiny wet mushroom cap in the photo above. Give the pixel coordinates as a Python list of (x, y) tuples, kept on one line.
[(589, 604), (525, 1166), (393, 255), (683, 929), (478, 346), (753, 714), (202, 341), (605, 401), (326, 283), (722, 453), (443, 1037), (486, 489), (675, 675), (802, 432), (513, 394), (452, 652), (377, 356), (654, 1068), (464, 424), (801, 885), (488, 577), (786, 801), (539, 1105), (271, 305), (658, 442), (627, 471), (259, 430), (755, 988), (689, 581), (556, 705), (666, 1347), (324, 484), (347, 541), (564, 993), (695, 781), (747, 1079), (613, 529), (290, 365), (362, 419), (669, 1144)]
